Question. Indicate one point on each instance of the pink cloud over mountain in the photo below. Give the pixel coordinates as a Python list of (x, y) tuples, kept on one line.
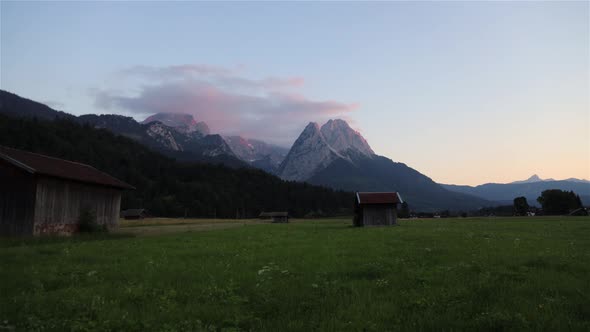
[(267, 108)]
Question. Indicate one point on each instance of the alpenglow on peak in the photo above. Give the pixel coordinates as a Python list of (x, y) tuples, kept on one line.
[(317, 147), (341, 137)]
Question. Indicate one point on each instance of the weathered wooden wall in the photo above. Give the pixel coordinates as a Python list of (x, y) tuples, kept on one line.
[(59, 204), (379, 215), (17, 200)]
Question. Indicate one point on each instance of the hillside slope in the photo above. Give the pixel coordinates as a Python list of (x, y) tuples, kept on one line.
[(382, 174)]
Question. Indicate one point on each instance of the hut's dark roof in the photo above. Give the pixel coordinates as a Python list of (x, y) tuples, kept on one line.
[(274, 214), (40, 164), (378, 198)]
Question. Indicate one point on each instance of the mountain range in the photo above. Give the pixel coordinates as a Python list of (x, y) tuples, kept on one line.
[(173, 134), (535, 178), (531, 188), (332, 155)]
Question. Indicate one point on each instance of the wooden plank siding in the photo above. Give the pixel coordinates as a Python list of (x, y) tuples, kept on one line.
[(17, 200), (59, 203), (378, 214)]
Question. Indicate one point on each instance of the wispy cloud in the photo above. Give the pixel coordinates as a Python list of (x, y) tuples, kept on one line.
[(268, 108)]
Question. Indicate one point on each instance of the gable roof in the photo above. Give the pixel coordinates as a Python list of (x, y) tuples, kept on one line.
[(44, 165), (378, 198)]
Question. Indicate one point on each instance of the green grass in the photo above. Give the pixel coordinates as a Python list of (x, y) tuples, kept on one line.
[(445, 274)]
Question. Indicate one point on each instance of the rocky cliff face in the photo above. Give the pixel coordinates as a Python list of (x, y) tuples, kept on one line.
[(177, 135), (184, 123), (309, 153), (258, 153), (342, 138), (163, 135)]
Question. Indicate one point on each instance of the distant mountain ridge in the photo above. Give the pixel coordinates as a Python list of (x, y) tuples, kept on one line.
[(535, 178), (505, 193), (17, 106)]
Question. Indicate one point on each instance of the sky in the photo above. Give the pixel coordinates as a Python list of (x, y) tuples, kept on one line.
[(464, 92)]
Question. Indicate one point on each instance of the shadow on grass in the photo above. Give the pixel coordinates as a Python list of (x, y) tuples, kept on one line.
[(7, 242)]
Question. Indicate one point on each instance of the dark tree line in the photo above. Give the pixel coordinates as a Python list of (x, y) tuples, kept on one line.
[(165, 186), (555, 201)]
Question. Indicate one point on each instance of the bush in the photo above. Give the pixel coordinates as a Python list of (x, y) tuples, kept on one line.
[(88, 224)]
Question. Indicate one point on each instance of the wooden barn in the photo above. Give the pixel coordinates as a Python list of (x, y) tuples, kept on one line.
[(46, 195), (376, 208), (277, 217)]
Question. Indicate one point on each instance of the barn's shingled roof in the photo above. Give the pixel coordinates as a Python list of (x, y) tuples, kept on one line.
[(44, 165), (378, 198)]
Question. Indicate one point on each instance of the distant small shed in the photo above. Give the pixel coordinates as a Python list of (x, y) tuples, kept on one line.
[(376, 208), (579, 212), (132, 214), (277, 217), (45, 195)]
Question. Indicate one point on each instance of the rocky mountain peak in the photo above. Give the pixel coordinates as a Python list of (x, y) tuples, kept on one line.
[(180, 121), (534, 178), (309, 153), (311, 129), (341, 137)]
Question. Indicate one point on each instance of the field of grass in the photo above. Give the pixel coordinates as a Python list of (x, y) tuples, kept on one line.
[(153, 226), (439, 274)]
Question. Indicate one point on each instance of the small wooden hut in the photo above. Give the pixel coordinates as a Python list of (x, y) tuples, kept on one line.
[(46, 195), (376, 208), (277, 217)]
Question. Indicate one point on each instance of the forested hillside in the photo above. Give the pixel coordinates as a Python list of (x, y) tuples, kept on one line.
[(167, 187)]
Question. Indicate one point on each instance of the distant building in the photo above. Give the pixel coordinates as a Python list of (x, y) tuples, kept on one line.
[(277, 217), (132, 214), (46, 195), (579, 212), (376, 208)]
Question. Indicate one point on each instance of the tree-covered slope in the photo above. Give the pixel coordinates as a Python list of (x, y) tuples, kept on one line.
[(164, 186)]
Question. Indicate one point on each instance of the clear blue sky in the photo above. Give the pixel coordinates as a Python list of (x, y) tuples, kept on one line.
[(465, 92)]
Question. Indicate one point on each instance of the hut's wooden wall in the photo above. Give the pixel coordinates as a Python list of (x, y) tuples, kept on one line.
[(17, 200), (59, 204), (379, 215)]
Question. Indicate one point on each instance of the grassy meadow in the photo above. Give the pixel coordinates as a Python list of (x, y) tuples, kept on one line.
[(438, 274)]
